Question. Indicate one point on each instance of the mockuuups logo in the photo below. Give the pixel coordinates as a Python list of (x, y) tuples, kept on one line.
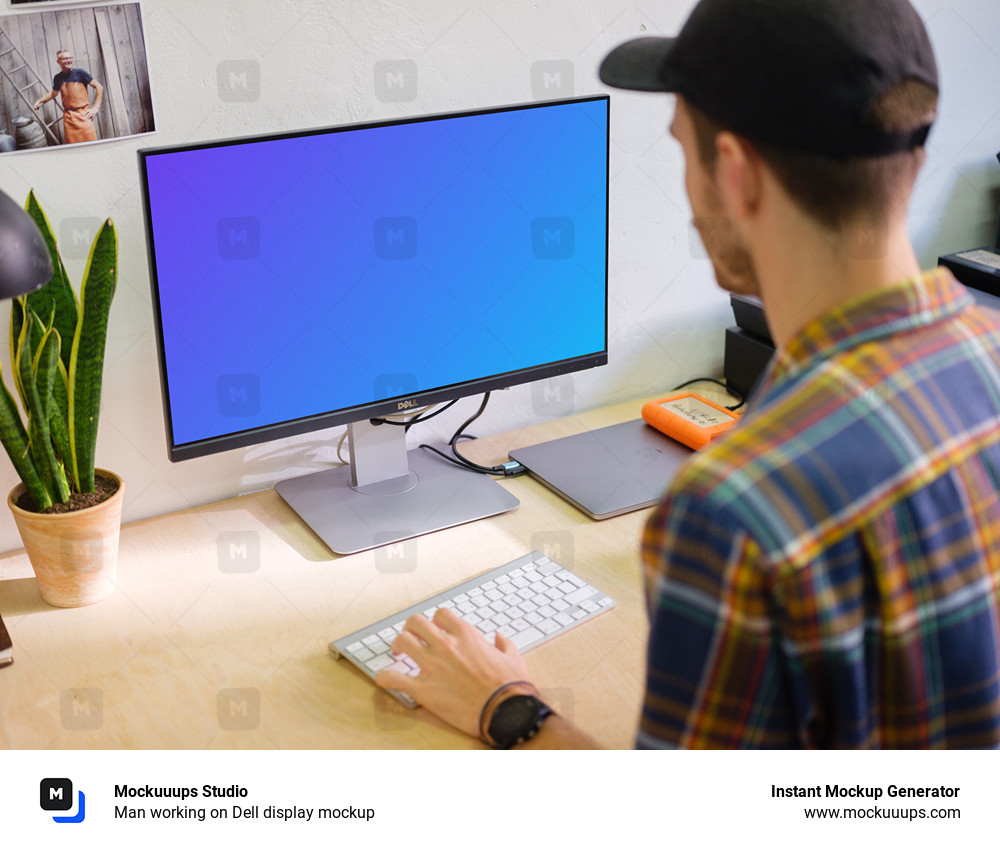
[(56, 795)]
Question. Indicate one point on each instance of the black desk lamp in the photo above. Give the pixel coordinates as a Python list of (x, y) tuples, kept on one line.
[(25, 264)]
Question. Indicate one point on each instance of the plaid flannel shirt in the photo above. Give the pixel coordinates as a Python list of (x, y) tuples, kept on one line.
[(827, 574)]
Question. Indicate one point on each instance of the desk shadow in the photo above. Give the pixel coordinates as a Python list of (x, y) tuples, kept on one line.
[(21, 596)]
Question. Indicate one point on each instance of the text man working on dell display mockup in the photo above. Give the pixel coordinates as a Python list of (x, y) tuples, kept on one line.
[(826, 574)]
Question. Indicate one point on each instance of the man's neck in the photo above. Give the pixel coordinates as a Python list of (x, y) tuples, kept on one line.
[(805, 273)]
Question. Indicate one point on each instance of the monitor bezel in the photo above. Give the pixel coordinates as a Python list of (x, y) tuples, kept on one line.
[(384, 407)]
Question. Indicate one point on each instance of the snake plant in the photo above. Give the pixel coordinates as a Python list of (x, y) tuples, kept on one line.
[(57, 360)]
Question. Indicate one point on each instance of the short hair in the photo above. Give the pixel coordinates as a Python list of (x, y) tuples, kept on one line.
[(61, 51), (833, 190)]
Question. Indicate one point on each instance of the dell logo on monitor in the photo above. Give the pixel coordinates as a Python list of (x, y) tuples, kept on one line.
[(406, 405)]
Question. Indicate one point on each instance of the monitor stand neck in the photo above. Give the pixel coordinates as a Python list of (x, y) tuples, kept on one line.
[(379, 465), (388, 494)]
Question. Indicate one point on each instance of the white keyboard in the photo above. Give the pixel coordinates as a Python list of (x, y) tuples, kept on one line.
[(530, 600)]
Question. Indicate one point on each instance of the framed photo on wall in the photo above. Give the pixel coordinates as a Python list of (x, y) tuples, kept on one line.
[(73, 75)]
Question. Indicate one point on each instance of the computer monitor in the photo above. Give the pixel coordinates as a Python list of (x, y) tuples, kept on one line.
[(332, 276)]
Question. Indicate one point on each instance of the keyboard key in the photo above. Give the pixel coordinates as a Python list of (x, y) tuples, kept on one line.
[(379, 662), (577, 596), (522, 639)]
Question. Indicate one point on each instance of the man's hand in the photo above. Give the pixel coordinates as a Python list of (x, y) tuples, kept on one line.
[(45, 98), (458, 669)]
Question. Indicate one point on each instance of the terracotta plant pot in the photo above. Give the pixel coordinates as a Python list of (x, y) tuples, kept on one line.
[(74, 554)]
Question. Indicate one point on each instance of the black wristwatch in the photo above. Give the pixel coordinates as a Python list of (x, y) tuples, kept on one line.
[(515, 720)]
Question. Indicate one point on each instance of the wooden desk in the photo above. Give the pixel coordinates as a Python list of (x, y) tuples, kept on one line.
[(217, 635)]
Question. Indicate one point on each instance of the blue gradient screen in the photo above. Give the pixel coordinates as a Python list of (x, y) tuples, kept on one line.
[(322, 271)]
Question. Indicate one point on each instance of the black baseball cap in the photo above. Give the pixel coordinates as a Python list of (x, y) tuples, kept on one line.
[(800, 74)]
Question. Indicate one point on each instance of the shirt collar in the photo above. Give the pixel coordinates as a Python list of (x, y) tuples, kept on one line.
[(916, 302)]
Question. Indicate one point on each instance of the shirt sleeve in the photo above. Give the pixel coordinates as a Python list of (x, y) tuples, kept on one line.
[(714, 672)]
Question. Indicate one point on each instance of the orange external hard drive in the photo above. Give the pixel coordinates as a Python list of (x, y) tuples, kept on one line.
[(689, 418)]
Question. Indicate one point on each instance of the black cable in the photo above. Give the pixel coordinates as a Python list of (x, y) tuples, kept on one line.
[(507, 470), (722, 384)]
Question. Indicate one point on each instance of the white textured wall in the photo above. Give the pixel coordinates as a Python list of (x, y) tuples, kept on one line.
[(313, 62)]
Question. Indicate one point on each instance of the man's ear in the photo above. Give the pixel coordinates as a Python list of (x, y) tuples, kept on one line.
[(738, 175)]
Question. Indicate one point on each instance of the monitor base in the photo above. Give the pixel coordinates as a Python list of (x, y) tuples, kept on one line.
[(349, 520)]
